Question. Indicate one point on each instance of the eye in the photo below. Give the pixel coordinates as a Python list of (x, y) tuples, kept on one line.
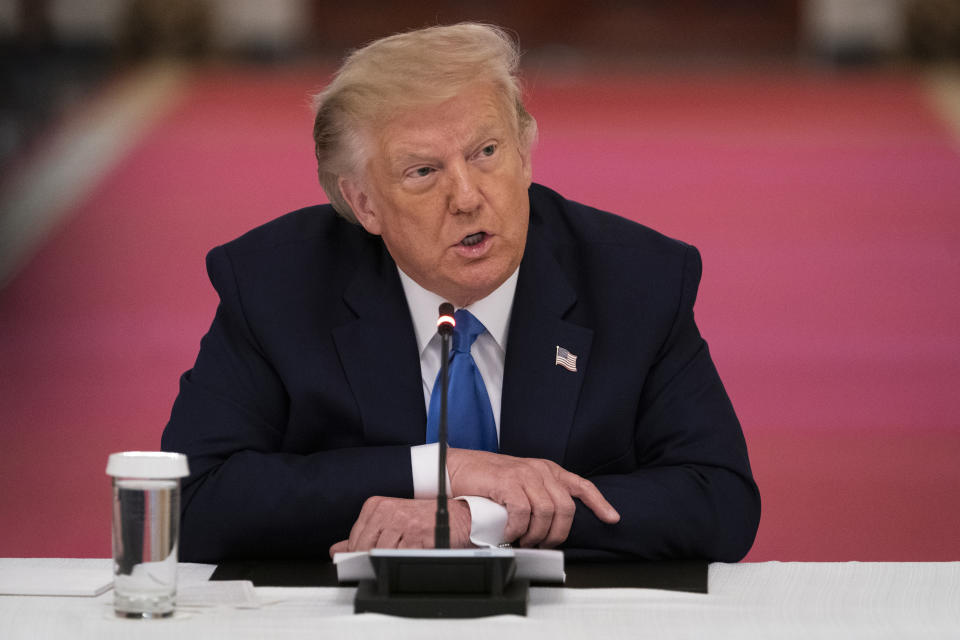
[(422, 172), (488, 150)]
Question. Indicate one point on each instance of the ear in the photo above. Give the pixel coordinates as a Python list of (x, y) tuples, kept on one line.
[(526, 164), (356, 196)]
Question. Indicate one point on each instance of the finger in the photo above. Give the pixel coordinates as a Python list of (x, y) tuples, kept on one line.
[(366, 530), (411, 543), (389, 539), (515, 501), (367, 537), (340, 547), (564, 509), (418, 538), (369, 506), (460, 522), (542, 509), (588, 493), (355, 532)]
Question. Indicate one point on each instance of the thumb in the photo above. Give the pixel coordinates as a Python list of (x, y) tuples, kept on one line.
[(340, 547)]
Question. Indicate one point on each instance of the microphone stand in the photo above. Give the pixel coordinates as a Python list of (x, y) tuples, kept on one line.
[(442, 534), (443, 582)]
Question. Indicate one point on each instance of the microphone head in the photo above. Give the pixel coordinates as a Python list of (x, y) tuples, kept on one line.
[(445, 322)]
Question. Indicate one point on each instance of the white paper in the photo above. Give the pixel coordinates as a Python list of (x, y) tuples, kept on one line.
[(233, 593), (36, 581), (191, 573), (540, 565), (353, 566)]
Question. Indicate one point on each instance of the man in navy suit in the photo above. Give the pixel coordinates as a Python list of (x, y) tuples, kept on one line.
[(305, 415)]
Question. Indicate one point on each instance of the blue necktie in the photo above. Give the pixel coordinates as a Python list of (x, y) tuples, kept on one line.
[(470, 422)]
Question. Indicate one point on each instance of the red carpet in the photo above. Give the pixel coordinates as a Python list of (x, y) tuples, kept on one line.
[(825, 208)]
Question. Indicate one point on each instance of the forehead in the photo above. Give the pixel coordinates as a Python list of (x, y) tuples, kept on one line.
[(473, 114)]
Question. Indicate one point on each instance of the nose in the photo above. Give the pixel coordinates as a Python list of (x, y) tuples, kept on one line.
[(465, 194)]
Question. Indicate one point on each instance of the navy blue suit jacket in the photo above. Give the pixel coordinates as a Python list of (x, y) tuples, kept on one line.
[(306, 394)]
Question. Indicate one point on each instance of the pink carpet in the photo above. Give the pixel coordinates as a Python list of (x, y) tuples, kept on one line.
[(825, 206)]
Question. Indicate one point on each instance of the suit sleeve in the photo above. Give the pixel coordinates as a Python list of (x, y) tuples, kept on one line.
[(247, 496), (692, 494)]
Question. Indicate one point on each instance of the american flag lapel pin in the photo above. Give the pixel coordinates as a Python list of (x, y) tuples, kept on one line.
[(566, 359)]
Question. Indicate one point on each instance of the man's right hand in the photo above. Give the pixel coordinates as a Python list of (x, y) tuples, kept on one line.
[(537, 494)]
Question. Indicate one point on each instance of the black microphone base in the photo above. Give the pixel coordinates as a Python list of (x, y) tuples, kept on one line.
[(512, 601), (433, 586)]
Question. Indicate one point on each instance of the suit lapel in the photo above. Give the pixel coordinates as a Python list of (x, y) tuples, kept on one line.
[(379, 354), (539, 397)]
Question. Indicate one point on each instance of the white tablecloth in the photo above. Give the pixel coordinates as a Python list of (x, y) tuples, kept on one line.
[(762, 600)]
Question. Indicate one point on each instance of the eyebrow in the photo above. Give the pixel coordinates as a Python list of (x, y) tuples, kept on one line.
[(411, 157), (399, 163), (408, 155)]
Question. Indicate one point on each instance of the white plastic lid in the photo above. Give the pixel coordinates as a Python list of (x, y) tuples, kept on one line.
[(147, 464)]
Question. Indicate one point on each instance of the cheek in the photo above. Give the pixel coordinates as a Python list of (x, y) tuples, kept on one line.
[(419, 237), (515, 203)]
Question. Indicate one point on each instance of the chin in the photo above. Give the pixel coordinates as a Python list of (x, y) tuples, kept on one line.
[(476, 283), (475, 290)]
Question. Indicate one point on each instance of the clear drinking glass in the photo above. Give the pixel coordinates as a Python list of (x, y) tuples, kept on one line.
[(146, 527)]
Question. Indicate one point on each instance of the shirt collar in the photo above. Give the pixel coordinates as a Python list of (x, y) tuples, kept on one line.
[(493, 311)]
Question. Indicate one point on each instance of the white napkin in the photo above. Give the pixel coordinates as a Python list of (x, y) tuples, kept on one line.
[(48, 581)]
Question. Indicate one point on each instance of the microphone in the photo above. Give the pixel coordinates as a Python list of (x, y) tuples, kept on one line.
[(445, 325), (442, 582)]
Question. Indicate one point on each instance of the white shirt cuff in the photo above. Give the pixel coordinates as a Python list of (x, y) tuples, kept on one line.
[(424, 459), (488, 520)]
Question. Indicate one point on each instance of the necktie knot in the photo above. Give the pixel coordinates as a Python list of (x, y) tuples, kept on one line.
[(466, 330)]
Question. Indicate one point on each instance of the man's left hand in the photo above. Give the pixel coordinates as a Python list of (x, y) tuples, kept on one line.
[(398, 523)]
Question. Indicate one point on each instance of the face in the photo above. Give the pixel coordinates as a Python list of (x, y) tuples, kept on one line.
[(446, 188)]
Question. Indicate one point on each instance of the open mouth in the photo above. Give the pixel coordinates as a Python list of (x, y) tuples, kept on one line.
[(473, 238)]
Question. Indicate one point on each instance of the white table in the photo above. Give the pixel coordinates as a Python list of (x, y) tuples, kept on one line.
[(762, 600)]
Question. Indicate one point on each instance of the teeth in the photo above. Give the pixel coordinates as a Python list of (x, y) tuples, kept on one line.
[(472, 239)]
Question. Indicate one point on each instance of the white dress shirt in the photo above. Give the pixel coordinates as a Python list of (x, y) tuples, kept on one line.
[(488, 519)]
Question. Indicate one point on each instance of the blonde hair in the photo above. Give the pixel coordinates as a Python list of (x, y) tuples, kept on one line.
[(405, 71)]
